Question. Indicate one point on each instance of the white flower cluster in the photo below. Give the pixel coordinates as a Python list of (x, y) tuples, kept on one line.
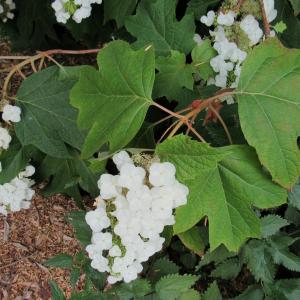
[(17, 194), (6, 8), (10, 113), (135, 207), (78, 9), (230, 56)]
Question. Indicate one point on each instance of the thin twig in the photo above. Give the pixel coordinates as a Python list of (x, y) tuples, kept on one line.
[(264, 18), (167, 130), (14, 57), (223, 123)]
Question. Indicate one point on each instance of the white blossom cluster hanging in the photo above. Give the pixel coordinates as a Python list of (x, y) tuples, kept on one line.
[(77, 9), (233, 35), (133, 209)]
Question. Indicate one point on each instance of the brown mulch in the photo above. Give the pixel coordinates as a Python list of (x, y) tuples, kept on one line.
[(27, 239)]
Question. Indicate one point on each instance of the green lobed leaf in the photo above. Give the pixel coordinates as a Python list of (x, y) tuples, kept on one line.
[(113, 102), (266, 95), (201, 56), (255, 254), (62, 260), (192, 240), (118, 10), (224, 183), (271, 224), (48, 121), (172, 286), (212, 292), (173, 75), (155, 22)]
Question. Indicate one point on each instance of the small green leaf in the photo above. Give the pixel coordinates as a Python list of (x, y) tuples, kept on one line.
[(133, 290), (161, 268), (228, 269), (259, 261), (75, 274), (282, 255), (192, 240), (212, 292), (217, 256), (172, 286), (280, 27), (253, 292), (56, 292), (61, 261), (14, 160), (286, 289), (113, 102), (82, 230), (189, 295), (173, 75), (201, 55), (155, 22), (294, 196), (271, 224)]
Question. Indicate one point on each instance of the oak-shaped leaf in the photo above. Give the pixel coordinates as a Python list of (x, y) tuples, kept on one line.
[(269, 108), (113, 101), (48, 121), (155, 22), (224, 184)]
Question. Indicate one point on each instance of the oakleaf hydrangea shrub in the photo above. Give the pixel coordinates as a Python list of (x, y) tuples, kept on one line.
[(185, 135)]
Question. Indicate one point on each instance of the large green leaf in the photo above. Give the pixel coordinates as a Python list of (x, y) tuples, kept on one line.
[(155, 22), (48, 121), (113, 102), (269, 108), (118, 10), (224, 183), (174, 74)]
